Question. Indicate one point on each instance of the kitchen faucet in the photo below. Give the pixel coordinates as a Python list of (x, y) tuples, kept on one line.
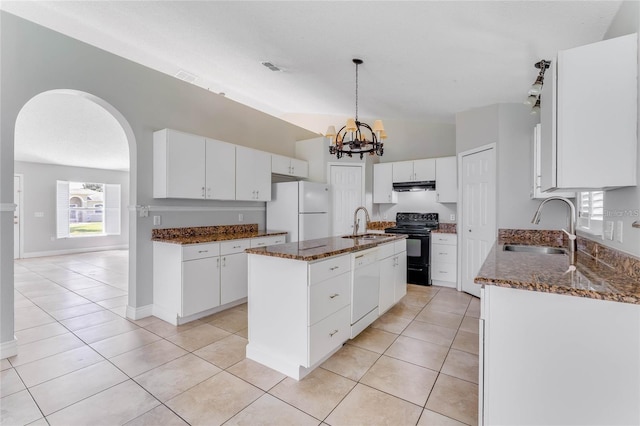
[(573, 243), (356, 221)]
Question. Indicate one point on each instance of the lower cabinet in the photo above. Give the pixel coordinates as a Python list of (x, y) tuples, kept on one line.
[(233, 270), (200, 285), (393, 274), (444, 259)]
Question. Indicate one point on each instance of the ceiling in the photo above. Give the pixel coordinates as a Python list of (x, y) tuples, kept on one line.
[(423, 60)]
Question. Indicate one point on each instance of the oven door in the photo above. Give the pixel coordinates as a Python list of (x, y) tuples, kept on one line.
[(418, 260)]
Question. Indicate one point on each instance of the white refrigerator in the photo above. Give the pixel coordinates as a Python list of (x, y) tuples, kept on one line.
[(299, 208)]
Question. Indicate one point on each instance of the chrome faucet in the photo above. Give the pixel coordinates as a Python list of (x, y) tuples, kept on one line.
[(356, 221), (573, 243)]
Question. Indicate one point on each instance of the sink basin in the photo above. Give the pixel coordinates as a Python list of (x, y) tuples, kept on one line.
[(533, 249), (367, 236)]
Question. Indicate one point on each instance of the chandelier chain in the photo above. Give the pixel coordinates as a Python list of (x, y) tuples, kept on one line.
[(356, 92)]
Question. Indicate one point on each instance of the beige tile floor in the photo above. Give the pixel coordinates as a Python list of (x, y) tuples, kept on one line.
[(81, 362)]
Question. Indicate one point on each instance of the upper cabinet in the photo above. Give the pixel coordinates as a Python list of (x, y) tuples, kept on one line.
[(383, 184), (289, 166), (220, 170), (414, 171), (446, 180), (535, 191), (253, 174), (589, 113)]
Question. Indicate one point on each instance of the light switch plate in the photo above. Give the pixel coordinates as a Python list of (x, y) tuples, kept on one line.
[(240, 217), (157, 220), (619, 227)]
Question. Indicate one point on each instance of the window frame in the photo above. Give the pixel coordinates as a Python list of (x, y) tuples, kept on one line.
[(590, 212)]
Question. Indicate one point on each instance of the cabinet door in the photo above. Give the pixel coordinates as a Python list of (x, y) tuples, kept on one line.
[(548, 141), (299, 168), (383, 184), (262, 175), (200, 285), (403, 171), (233, 277), (401, 276), (280, 164), (184, 164), (446, 180), (245, 175), (387, 283), (536, 168), (424, 169), (220, 170)]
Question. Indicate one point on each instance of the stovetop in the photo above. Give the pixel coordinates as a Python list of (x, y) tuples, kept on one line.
[(414, 223)]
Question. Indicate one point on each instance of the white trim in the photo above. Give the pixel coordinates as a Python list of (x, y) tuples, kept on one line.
[(20, 207), (173, 318), (8, 207), (196, 209), (9, 348), (139, 313), (72, 251)]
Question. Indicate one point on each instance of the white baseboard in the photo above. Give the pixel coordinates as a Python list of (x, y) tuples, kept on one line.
[(72, 251), (9, 348), (173, 318), (139, 313)]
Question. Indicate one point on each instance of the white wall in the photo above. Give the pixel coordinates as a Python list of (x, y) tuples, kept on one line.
[(421, 201), (39, 196), (35, 59), (623, 204)]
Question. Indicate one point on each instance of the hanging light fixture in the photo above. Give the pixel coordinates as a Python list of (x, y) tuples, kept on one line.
[(356, 137), (533, 98)]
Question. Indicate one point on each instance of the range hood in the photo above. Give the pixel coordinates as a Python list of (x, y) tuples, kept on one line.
[(425, 185)]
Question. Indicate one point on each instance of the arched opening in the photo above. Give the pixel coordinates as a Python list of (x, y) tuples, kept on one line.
[(79, 136)]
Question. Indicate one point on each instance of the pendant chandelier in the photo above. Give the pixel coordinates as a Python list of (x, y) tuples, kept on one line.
[(356, 137)]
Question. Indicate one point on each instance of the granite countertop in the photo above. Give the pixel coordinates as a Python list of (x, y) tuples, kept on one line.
[(548, 273), (323, 247), (189, 236)]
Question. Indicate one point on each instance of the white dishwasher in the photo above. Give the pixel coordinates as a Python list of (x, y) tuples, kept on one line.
[(365, 289)]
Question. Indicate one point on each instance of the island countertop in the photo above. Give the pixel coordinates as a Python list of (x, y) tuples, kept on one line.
[(323, 247), (548, 273)]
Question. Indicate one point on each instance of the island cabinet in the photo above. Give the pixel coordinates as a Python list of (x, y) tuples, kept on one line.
[(393, 274), (192, 167), (557, 359), (299, 312)]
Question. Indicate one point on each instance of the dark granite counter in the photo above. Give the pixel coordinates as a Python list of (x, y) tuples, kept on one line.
[(323, 247), (550, 273), (210, 234)]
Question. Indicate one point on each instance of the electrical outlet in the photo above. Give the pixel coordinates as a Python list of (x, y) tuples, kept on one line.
[(240, 217), (452, 217), (608, 230), (619, 231), (157, 220)]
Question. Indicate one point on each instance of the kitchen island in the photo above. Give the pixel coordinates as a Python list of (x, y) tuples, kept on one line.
[(559, 346), (307, 298)]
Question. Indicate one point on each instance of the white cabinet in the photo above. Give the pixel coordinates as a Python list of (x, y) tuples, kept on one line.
[(524, 336), (289, 166), (393, 274), (383, 184), (444, 259), (299, 312), (194, 167), (186, 280), (535, 191), (253, 174), (233, 270), (589, 117), (446, 180), (414, 171), (178, 165), (268, 241)]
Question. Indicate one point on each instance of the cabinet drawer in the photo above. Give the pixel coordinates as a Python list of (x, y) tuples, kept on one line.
[(444, 272), (267, 241), (234, 246), (328, 334), (400, 246), (449, 239), (386, 250), (328, 297), (326, 269), (441, 254), (200, 251)]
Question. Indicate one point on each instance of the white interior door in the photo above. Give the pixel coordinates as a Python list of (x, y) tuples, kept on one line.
[(17, 199), (347, 195), (478, 183)]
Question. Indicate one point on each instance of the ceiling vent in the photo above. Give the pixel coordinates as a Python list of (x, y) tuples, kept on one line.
[(271, 66), (186, 76)]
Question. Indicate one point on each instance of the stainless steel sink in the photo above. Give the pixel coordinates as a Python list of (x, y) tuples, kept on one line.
[(533, 249), (367, 236)]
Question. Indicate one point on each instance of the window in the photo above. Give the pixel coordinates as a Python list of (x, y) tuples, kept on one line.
[(591, 211), (87, 209)]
